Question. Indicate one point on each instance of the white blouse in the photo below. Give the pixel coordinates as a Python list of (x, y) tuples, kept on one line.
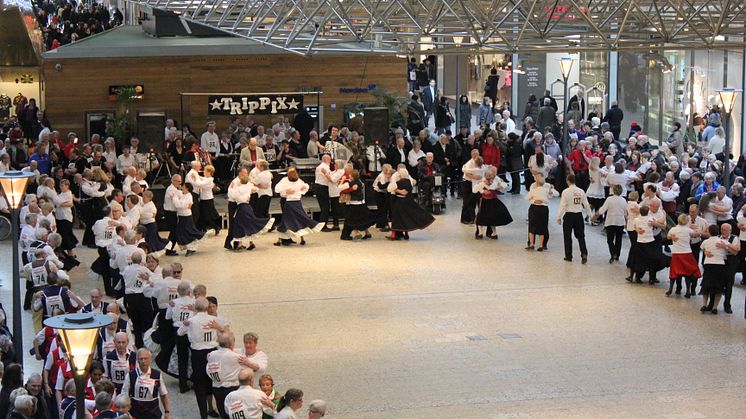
[(63, 213), (298, 187), (148, 213), (183, 205), (539, 195)]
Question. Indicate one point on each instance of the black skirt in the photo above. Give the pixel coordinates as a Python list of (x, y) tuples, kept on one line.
[(186, 231), (407, 215), (492, 212), (713, 279), (195, 207), (359, 217), (538, 219), (296, 221), (154, 240), (246, 225), (65, 229), (648, 256), (209, 219)]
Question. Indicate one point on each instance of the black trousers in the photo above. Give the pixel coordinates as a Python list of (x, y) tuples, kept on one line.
[(336, 210), (382, 213), (105, 271), (232, 206), (168, 339), (731, 267), (322, 196), (572, 223), (140, 311), (262, 206), (470, 201), (614, 240), (182, 354), (171, 221), (220, 394), (200, 379), (696, 252), (515, 182)]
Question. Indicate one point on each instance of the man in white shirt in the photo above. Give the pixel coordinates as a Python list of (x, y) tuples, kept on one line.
[(722, 206), (256, 359), (473, 171), (138, 306), (104, 231), (173, 192), (181, 308), (321, 189), (210, 142), (509, 123), (145, 386), (202, 330), (247, 402), (170, 128), (573, 203), (223, 367)]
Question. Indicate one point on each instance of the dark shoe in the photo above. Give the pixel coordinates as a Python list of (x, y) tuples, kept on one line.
[(172, 253), (540, 249), (493, 237), (638, 281), (628, 279), (228, 247), (687, 295), (252, 246), (326, 229), (704, 309), (302, 241), (714, 311), (584, 259), (213, 414), (240, 248), (384, 230), (655, 281), (568, 259), (367, 237), (406, 236), (186, 389), (678, 291), (728, 310), (529, 248), (335, 228), (611, 260), (668, 293), (544, 248), (348, 238), (278, 243), (190, 252)]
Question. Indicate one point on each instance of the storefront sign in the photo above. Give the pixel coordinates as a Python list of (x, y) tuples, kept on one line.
[(138, 90), (371, 87), (254, 105)]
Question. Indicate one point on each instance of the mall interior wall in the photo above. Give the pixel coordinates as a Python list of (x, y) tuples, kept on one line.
[(75, 86)]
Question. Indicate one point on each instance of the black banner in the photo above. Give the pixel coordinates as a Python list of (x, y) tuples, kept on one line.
[(254, 105), (137, 90)]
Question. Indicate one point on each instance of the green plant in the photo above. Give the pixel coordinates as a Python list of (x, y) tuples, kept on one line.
[(397, 105), (121, 125)]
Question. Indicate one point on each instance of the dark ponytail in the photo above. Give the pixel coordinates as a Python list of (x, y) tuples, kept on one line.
[(291, 395)]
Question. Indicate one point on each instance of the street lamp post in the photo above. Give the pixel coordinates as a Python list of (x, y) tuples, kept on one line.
[(79, 332), (728, 97), (14, 187), (565, 64)]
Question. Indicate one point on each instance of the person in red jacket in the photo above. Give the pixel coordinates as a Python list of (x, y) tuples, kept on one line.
[(490, 152), (580, 159)]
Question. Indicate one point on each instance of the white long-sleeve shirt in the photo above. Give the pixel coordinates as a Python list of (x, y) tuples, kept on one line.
[(183, 205), (63, 212), (572, 200), (133, 283), (615, 208), (334, 184), (180, 310), (232, 189), (320, 177), (539, 195), (263, 182), (172, 192), (242, 194), (285, 186), (148, 212)]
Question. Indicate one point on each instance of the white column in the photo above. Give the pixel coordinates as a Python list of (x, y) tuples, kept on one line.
[(612, 88), (514, 89)]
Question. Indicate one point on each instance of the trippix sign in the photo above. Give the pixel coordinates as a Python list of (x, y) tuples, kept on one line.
[(255, 104)]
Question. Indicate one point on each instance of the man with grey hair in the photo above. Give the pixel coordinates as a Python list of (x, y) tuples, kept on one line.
[(223, 367), (34, 388), (182, 308), (247, 402), (103, 406), (119, 361), (23, 407), (123, 403), (67, 405), (209, 141), (138, 306), (145, 387), (202, 330)]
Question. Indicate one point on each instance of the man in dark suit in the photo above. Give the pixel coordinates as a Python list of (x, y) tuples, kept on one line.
[(398, 151), (415, 116), (429, 100), (446, 156), (614, 117), (580, 100)]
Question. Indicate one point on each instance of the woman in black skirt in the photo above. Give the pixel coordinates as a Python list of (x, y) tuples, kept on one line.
[(357, 218), (380, 186), (538, 212), (148, 214), (406, 214), (295, 222), (209, 219), (715, 272), (187, 234), (64, 202), (492, 212), (245, 224)]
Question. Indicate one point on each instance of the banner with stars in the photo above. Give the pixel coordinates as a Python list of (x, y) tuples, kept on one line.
[(254, 105)]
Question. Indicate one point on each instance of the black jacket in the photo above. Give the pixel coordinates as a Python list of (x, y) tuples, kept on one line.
[(614, 117)]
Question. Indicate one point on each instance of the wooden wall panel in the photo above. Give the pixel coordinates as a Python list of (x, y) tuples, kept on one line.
[(82, 84)]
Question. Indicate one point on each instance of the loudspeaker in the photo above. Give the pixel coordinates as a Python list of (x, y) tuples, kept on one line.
[(150, 130), (159, 195), (376, 125)]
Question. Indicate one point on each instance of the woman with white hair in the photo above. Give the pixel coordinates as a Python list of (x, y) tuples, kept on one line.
[(492, 212), (295, 223), (246, 226), (317, 409), (717, 142), (406, 214)]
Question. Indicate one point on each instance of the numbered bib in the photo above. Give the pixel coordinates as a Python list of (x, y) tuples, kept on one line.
[(213, 371), (39, 276), (144, 389), (238, 410), (172, 293), (119, 371), (53, 303)]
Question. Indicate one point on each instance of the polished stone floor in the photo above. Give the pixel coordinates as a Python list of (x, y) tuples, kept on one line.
[(447, 326)]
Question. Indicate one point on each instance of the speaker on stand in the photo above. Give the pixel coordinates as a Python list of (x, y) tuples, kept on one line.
[(376, 126)]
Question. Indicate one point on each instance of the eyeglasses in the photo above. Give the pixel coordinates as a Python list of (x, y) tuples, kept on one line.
[(177, 272)]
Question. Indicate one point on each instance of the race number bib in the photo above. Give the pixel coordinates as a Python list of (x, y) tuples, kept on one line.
[(119, 370), (53, 303), (172, 293), (238, 410), (39, 276), (144, 389), (108, 347), (213, 371)]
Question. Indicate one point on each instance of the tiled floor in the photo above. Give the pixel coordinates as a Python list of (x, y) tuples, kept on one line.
[(447, 326)]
